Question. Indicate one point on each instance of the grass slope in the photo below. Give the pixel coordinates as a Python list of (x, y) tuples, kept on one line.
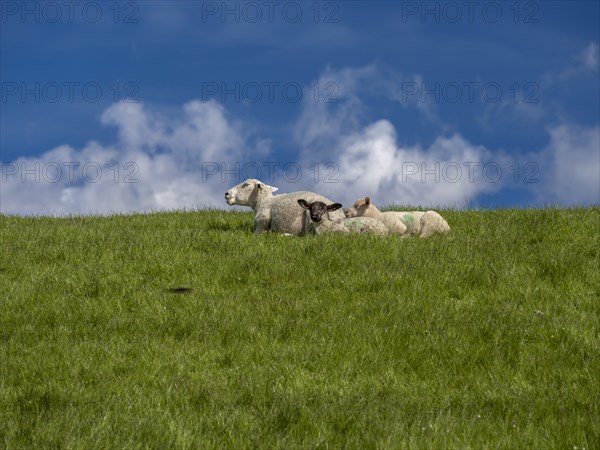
[(485, 338)]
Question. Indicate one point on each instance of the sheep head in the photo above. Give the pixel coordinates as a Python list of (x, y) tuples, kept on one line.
[(318, 209), (247, 193), (360, 208)]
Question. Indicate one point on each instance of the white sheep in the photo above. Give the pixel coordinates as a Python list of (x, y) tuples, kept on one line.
[(415, 223), (278, 213), (320, 221)]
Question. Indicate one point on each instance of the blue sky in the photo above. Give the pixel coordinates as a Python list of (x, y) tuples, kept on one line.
[(479, 104)]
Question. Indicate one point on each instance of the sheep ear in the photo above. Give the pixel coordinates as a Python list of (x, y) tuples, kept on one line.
[(303, 203), (367, 200), (334, 207), (273, 188)]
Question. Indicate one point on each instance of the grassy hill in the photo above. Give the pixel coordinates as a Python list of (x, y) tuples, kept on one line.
[(488, 337)]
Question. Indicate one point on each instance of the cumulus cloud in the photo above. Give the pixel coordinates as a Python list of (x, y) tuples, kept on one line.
[(368, 156), (156, 164), (570, 170), (160, 163), (450, 172), (343, 108)]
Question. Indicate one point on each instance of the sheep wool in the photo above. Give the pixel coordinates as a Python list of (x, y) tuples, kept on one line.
[(277, 213), (408, 223), (355, 225)]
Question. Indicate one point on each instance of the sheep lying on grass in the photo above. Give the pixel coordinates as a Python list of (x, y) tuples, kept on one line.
[(322, 223), (278, 213), (415, 223)]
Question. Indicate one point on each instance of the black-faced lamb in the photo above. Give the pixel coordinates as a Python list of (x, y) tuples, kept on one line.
[(319, 220)]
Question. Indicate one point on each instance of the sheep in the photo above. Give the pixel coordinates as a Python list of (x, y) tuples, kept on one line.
[(277, 213), (416, 223), (322, 223)]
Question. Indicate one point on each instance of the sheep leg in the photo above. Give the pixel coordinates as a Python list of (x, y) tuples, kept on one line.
[(260, 226)]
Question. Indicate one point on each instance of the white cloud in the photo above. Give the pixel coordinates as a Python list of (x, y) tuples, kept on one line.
[(317, 125), (156, 164), (584, 62), (450, 172), (587, 61), (370, 160), (342, 109), (447, 173), (570, 170)]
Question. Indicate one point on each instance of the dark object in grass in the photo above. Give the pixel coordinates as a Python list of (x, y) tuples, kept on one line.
[(179, 290)]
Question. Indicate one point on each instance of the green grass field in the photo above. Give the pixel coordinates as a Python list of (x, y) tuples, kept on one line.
[(488, 337)]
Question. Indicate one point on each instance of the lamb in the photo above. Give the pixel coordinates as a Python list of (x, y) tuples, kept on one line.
[(322, 223), (416, 223), (277, 213)]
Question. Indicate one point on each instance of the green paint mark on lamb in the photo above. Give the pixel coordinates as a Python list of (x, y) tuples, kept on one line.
[(355, 222)]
